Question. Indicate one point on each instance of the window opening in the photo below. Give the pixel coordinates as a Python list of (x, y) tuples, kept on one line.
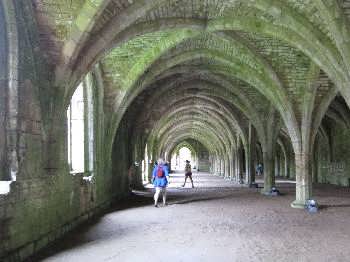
[(76, 131)]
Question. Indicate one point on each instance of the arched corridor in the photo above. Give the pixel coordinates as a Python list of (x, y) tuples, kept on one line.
[(94, 92)]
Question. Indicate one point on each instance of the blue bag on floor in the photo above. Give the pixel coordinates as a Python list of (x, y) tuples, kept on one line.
[(275, 192), (311, 206)]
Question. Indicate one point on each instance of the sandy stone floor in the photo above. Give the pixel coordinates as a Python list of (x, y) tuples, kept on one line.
[(216, 221)]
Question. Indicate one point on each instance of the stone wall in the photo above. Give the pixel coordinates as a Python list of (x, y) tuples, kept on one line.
[(334, 157), (46, 201), (203, 158)]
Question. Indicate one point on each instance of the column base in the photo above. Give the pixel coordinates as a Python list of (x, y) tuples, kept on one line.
[(298, 204), (265, 192), (272, 192)]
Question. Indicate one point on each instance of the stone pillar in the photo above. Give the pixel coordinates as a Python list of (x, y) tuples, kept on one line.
[(217, 166), (250, 157), (138, 174), (222, 167), (232, 169), (283, 169), (232, 166), (303, 180), (150, 169), (136, 162), (277, 169), (315, 166), (287, 168), (269, 175), (238, 165), (227, 168), (211, 164)]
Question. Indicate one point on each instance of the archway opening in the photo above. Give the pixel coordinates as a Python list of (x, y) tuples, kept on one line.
[(331, 146), (178, 158)]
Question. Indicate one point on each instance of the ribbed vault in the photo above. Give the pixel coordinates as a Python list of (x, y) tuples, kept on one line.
[(239, 82), (229, 74)]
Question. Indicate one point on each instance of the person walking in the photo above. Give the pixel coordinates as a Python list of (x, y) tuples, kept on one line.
[(188, 173), (160, 179), (259, 169)]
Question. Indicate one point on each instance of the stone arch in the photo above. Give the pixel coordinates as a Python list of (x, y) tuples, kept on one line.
[(182, 144), (285, 17), (9, 83), (179, 60), (189, 107), (185, 109), (149, 103), (212, 148), (224, 90), (300, 30)]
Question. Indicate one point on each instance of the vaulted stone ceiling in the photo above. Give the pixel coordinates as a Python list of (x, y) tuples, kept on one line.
[(242, 81), (206, 69)]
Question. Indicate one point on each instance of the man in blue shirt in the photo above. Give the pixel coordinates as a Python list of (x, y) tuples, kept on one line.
[(160, 179)]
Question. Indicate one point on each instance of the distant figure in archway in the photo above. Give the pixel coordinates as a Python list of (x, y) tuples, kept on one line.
[(188, 173), (160, 179), (259, 169)]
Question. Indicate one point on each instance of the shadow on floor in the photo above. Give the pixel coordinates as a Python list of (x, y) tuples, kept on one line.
[(76, 237), (192, 200), (137, 199), (324, 207)]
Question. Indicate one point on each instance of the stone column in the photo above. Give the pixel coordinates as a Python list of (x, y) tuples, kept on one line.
[(238, 165), (303, 180), (269, 175), (222, 167), (211, 164), (227, 168), (250, 157), (284, 162), (315, 166), (217, 166), (287, 167), (282, 166), (136, 163), (151, 165), (277, 167), (232, 166)]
